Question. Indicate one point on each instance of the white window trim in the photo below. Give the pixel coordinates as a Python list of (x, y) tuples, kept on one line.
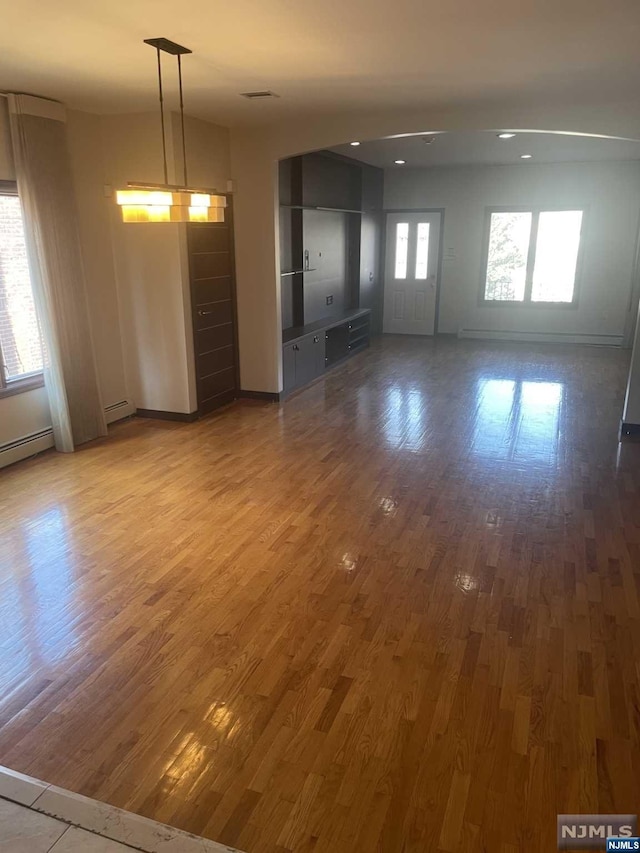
[(535, 211)]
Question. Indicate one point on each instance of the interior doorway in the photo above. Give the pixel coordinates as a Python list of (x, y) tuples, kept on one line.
[(411, 272)]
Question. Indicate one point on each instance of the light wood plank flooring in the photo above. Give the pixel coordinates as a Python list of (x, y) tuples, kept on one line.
[(397, 613)]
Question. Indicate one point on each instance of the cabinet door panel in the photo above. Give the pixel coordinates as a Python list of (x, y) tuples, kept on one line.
[(289, 368), (319, 353), (211, 265), (214, 314), (305, 361), (218, 383), (336, 344), (214, 338), (212, 289), (217, 359)]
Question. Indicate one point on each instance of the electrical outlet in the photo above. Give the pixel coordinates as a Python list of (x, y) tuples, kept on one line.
[(329, 300)]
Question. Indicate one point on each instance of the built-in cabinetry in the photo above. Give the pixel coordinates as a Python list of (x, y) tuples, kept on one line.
[(212, 279), (330, 243), (306, 355), (303, 361)]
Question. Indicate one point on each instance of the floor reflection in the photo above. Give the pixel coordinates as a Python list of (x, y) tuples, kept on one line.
[(405, 424), (518, 420), (513, 420), (38, 606)]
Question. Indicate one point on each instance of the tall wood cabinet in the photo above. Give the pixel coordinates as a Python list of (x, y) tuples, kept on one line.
[(213, 306)]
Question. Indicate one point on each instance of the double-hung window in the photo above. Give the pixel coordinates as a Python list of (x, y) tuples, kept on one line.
[(531, 256), (21, 356)]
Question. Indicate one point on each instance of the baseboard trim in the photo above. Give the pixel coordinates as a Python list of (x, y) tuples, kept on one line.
[(543, 337), (30, 445), (118, 411), (268, 396), (25, 446), (629, 430), (159, 415)]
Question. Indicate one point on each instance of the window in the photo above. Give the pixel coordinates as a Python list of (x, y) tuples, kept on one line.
[(402, 249), (532, 256), (21, 358), (422, 251)]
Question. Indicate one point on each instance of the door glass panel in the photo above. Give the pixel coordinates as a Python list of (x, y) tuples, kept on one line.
[(402, 249), (422, 250), (554, 272), (507, 259)]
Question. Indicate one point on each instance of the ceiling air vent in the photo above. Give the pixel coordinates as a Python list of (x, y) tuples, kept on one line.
[(259, 96)]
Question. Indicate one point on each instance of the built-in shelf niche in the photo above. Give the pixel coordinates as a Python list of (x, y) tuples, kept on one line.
[(321, 203)]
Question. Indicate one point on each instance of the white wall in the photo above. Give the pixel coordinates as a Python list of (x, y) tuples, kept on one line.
[(147, 269), (151, 267), (208, 154), (608, 192), (23, 414), (256, 220), (150, 281)]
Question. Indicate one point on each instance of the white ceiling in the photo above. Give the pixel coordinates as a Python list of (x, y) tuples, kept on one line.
[(485, 148), (334, 55)]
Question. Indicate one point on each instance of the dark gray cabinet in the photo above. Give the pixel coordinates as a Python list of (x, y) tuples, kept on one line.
[(308, 355), (330, 226), (288, 368), (346, 339), (330, 181), (336, 344), (303, 361)]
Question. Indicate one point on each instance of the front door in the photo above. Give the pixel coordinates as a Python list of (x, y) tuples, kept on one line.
[(411, 272)]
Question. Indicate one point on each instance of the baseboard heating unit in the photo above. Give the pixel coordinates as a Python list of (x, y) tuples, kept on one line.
[(543, 337)]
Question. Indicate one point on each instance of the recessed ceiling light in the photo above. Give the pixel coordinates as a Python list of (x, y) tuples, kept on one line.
[(526, 156), (505, 135), (354, 143), (399, 162)]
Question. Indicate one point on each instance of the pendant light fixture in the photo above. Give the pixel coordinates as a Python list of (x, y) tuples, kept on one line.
[(143, 202)]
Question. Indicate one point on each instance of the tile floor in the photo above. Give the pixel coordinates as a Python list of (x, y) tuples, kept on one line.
[(38, 818)]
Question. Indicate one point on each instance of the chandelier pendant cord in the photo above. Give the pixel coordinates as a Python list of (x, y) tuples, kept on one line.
[(164, 143), (184, 147)]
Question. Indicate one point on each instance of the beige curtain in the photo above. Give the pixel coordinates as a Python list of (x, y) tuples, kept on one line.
[(43, 173)]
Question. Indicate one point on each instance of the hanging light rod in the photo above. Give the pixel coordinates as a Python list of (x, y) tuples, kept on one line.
[(173, 49), (148, 202), (168, 46)]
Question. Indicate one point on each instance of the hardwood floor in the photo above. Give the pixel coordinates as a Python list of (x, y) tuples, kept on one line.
[(397, 613)]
